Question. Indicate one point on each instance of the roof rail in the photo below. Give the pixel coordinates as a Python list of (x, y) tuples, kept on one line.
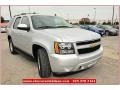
[(28, 13), (25, 14)]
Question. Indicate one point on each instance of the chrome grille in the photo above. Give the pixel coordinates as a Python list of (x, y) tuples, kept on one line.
[(91, 46)]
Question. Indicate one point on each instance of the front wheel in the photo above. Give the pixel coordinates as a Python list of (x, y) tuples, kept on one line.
[(44, 68)]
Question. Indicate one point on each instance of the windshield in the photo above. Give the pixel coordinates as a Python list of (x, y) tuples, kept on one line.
[(94, 27), (43, 22), (108, 27)]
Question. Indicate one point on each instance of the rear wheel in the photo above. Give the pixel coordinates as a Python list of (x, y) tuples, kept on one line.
[(11, 47), (44, 68)]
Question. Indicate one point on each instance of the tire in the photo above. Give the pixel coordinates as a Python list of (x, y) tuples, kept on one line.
[(11, 47), (44, 68), (107, 33)]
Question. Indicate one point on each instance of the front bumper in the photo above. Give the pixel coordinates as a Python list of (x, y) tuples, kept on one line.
[(102, 33), (74, 62)]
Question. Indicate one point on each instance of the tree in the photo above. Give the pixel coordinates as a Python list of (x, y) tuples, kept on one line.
[(109, 23), (84, 21), (81, 22), (93, 23), (104, 23), (2, 19), (116, 23)]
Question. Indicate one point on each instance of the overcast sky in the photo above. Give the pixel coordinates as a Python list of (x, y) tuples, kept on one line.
[(67, 12)]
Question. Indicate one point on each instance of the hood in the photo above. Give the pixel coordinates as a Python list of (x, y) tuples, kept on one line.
[(73, 34), (113, 30)]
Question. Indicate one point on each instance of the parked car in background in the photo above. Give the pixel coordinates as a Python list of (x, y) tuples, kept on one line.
[(116, 26), (94, 29), (84, 27), (3, 30), (109, 30), (3, 27)]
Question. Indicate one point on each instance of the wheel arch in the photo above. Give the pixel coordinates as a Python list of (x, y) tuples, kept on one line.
[(35, 47)]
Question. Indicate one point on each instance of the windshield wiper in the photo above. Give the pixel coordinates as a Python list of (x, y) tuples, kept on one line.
[(45, 27), (63, 27)]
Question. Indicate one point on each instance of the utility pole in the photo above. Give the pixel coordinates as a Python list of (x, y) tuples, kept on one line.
[(95, 14), (88, 16), (55, 14), (113, 16), (10, 12), (28, 9)]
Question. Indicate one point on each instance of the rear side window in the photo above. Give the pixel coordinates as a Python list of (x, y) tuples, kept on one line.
[(16, 22), (10, 23)]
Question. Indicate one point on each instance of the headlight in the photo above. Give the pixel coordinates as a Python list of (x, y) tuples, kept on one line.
[(64, 48)]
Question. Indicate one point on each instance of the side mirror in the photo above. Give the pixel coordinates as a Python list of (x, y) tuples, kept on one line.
[(23, 27)]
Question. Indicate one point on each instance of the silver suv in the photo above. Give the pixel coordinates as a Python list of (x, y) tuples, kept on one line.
[(56, 45)]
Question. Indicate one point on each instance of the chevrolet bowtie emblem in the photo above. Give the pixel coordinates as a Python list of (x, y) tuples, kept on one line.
[(93, 45)]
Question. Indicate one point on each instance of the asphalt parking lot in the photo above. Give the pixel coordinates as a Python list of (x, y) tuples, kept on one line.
[(16, 67)]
